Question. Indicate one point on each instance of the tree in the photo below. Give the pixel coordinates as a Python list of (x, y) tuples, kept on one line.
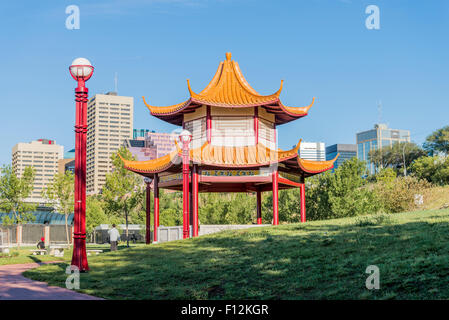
[(433, 169), (394, 156), (343, 193), (60, 192), (13, 192), (123, 190), (438, 141), (95, 214)]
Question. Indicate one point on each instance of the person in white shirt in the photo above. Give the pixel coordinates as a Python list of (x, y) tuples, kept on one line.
[(114, 236)]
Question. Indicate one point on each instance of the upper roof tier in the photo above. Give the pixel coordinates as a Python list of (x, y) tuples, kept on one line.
[(229, 89)]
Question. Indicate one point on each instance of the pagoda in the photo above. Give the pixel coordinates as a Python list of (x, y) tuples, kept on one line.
[(231, 147)]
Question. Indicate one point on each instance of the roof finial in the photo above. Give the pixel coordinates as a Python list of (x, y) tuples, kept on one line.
[(228, 56)]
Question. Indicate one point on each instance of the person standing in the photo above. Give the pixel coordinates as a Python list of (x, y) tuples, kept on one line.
[(114, 236)]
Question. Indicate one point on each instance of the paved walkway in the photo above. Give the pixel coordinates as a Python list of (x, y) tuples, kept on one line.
[(14, 286)]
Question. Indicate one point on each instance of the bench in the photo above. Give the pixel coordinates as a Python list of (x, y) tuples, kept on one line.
[(4, 249), (90, 251), (38, 251), (57, 251)]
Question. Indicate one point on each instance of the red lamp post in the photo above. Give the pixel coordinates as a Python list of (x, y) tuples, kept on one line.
[(81, 70), (185, 137)]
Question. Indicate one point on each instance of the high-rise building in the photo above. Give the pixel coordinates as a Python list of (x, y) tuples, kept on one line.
[(110, 122), (68, 163), (140, 133), (164, 142), (312, 151), (41, 154), (346, 151), (141, 148), (379, 137), (153, 145)]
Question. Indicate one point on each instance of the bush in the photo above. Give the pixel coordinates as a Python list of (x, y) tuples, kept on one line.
[(398, 194), (343, 193)]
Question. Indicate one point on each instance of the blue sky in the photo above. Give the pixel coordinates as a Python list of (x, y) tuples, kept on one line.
[(320, 48)]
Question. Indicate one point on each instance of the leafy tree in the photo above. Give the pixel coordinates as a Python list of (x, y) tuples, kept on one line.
[(393, 156), (123, 191), (95, 214), (60, 192), (13, 192), (340, 194), (433, 169), (438, 141)]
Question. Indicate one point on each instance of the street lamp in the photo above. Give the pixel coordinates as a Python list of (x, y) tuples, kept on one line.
[(185, 137), (148, 211), (81, 70)]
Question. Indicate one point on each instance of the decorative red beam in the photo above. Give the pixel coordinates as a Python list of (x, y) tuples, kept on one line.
[(208, 125), (148, 212), (275, 198), (195, 199), (185, 138), (259, 207), (302, 191), (256, 125), (156, 207)]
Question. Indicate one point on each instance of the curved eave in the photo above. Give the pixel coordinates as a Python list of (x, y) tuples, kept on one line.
[(311, 168), (284, 114), (152, 166)]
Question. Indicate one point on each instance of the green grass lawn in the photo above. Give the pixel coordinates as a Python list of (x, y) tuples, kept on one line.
[(314, 260), (24, 255)]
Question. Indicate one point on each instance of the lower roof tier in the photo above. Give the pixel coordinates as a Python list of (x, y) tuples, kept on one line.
[(231, 158)]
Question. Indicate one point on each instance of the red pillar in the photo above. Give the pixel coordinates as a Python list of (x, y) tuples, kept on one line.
[(256, 125), (208, 125), (185, 190), (259, 207), (195, 199), (148, 209), (79, 257), (275, 198), (156, 206), (302, 191)]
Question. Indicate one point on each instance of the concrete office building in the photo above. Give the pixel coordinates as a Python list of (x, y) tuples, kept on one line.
[(379, 137), (43, 155), (152, 145), (312, 151), (346, 151), (110, 122)]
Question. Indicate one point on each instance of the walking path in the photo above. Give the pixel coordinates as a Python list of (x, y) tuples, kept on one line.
[(14, 286)]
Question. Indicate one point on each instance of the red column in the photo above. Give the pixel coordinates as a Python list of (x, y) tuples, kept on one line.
[(195, 199), (256, 124), (156, 206), (259, 207), (185, 190), (275, 198), (302, 192), (208, 125), (148, 224), (79, 257)]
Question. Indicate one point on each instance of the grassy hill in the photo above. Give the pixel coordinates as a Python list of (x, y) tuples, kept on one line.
[(315, 260)]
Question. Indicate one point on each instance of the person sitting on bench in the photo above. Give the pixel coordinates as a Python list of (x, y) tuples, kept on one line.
[(41, 243)]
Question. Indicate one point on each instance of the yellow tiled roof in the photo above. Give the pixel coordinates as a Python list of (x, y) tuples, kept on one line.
[(316, 166), (229, 87), (222, 156)]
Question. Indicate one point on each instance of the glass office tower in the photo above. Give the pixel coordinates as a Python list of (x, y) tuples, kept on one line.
[(379, 137)]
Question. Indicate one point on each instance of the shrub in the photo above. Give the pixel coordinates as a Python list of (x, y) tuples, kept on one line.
[(398, 195)]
